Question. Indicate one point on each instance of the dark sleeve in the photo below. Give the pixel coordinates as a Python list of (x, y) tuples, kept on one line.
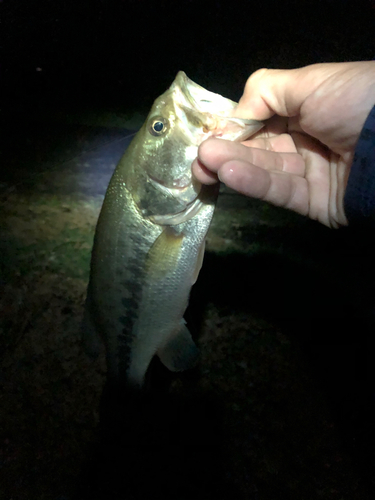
[(359, 199)]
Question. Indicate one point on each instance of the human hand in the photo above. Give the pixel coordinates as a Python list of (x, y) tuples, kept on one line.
[(301, 159)]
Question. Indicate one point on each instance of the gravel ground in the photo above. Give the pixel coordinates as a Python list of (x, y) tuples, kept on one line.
[(279, 406)]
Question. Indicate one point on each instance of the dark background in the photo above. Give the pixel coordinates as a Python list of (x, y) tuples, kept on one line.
[(125, 53)]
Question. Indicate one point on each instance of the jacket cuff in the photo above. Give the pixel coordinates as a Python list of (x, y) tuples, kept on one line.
[(359, 199)]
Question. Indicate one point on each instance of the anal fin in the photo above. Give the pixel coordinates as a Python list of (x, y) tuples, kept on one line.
[(179, 353)]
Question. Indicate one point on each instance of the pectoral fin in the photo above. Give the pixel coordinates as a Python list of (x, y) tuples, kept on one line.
[(164, 254), (179, 353)]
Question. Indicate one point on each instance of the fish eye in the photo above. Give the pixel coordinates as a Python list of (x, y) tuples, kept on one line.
[(158, 126)]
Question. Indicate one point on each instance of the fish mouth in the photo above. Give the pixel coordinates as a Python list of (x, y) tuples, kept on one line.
[(173, 219), (201, 99)]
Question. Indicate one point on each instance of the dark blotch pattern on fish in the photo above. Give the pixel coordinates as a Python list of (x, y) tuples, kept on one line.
[(127, 321), (130, 308), (129, 303)]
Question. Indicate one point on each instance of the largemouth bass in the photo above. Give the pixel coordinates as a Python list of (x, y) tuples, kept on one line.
[(150, 237)]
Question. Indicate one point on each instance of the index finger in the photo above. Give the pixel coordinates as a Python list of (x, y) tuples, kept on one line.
[(214, 153)]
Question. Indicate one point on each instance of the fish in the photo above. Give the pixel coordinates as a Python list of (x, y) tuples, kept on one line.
[(150, 236)]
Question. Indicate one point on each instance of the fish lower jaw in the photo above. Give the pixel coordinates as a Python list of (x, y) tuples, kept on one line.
[(178, 184), (174, 219), (186, 193)]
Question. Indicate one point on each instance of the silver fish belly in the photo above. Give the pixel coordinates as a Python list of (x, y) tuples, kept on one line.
[(150, 236)]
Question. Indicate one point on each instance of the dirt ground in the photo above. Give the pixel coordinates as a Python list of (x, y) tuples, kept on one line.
[(280, 405)]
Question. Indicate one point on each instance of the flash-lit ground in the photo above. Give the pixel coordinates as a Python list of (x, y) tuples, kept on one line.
[(280, 405)]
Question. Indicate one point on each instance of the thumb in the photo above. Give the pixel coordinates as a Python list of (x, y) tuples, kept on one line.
[(281, 92)]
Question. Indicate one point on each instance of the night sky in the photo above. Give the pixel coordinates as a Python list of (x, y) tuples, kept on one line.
[(124, 54)]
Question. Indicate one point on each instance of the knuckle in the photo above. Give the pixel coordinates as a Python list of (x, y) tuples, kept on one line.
[(256, 76)]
